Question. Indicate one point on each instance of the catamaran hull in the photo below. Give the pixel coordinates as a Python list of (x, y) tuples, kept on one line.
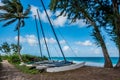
[(65, 68)]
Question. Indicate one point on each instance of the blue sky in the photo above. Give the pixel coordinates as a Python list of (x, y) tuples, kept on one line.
[(76, 35)]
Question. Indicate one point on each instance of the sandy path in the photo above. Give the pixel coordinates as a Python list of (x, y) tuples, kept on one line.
[(9, 72)]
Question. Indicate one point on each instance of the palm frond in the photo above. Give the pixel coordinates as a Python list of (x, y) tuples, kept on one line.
[(7, 15), (22, 23), (9, 22), (19, 7), (5, 1), (3, 19), (27, 11), (13, 11)]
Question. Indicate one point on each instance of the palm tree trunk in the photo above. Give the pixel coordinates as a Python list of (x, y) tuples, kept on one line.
[(118, 63), (108, 62), (117, 27), (20, 57)]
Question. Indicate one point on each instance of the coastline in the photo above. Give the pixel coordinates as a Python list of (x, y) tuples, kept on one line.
[(8, 72), (89, 61)]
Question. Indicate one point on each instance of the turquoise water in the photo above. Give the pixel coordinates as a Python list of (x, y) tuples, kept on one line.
[(91, 61)]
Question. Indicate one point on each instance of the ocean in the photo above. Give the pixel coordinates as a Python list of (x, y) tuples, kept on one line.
[(90, 61)]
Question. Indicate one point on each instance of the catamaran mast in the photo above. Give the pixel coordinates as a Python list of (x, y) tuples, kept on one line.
[(53, 31), (38, 36), (43, 35)]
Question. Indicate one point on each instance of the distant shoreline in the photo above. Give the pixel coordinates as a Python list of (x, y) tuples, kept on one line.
[(90, 61)]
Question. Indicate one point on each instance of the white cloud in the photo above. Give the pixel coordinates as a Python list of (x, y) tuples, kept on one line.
[(85, 43), (42, 14), (49, 40), (34, 10), (52, 41), (96, 50), (62, 42), (60, 21), (80, 23), (22, 39), (57, 21), (44, 17), (30, 39), (66, 48)]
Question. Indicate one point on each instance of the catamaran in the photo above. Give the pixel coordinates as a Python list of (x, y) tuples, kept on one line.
[(52, 65)]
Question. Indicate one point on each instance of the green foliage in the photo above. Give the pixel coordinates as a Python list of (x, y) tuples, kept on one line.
[(31, 58), (14, 59), (15, 47), (0, 59), (4, 57), (91, 12), (5, 48), (9, 48), (26, 69), (26, 58), (14, 12)]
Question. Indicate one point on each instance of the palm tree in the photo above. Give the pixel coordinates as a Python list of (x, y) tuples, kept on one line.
[(13, 11), (14, 48), (5, 48), (116, 27), (78, 9)]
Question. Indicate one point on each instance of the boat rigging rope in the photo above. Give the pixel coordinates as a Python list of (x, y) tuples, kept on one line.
[(38, 36), (43, 34), (67, 43)]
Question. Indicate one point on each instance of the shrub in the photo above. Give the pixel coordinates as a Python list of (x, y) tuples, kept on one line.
[(31, 58), (0, 59), (25, 69), (5, 57), (26, 58), (14, 58)]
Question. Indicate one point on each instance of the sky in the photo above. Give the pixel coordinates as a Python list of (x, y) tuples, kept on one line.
[(75, 38)]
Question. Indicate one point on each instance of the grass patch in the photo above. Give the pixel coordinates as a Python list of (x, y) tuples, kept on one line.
[(28, 70), (14, 59), (0, 59)]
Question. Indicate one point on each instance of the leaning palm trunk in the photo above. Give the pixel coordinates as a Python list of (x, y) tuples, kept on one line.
[(75, 11), (98, 36), (118, 63), (116, 29), (20, 57), (108, 62), (118, 46)]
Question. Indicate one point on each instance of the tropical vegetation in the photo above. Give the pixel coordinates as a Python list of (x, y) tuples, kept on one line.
[(13, 11), (13, 57), (98, 15), (5, 48), (86, 10)]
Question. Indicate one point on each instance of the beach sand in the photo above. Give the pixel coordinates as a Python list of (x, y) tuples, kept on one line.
[(9, 72)]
